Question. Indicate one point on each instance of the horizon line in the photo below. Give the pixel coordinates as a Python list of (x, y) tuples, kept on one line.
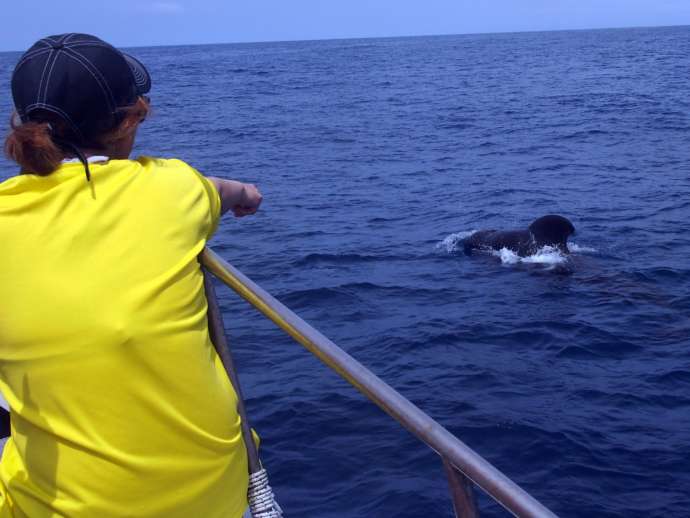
[(346, 38)]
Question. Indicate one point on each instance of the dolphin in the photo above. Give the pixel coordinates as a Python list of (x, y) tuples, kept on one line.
[(551, 230)]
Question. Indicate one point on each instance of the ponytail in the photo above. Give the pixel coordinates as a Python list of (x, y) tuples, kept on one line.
[(40, 147), (30, 145)]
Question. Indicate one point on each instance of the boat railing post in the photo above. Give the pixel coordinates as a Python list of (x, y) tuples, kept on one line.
[(262, 502), (461, 492), (220, 341)]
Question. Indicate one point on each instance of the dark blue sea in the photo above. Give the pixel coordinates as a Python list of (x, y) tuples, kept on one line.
[(375, 157)]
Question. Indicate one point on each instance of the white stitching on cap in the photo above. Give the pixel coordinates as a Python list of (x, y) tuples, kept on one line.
[(68, 37), (100, 80), (45, 66), (32, 55), (51, 107), (50, 73), (86, 43), (94, 71), (136, 73), (97, 71), (60, 112), (36, 52), (93, 43)]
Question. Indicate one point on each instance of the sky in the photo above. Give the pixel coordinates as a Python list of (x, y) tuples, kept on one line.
[(171, 22)]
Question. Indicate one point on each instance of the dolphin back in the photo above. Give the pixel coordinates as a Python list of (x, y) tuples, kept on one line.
[(552, 230), (519, 241)]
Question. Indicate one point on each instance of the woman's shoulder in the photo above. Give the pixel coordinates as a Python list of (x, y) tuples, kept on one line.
[(168, 168), (174, 173), (164, 163)]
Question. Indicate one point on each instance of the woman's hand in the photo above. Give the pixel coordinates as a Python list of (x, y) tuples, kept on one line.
[(243, 199), (250, 200)]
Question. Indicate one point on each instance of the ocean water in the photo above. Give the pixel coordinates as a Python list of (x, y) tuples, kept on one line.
[(375, 157)]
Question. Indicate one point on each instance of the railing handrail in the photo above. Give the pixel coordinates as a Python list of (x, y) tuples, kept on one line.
[(472, 465)]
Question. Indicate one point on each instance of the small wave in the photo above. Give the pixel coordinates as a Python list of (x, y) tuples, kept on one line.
[(337, 258), (455, 126), (676, 377), (583, 134), (453, 242), (340, 295), (351, 293)]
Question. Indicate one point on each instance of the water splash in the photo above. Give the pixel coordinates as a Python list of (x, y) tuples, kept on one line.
[(579, 249), (453, 242), (547, 255)]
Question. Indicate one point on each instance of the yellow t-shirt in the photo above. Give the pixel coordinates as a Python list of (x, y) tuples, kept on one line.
[(120, 404)]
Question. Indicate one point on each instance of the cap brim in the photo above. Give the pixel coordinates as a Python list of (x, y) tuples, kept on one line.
[(141, 76)]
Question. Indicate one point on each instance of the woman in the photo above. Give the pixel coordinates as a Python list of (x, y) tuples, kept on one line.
[(120, 405)]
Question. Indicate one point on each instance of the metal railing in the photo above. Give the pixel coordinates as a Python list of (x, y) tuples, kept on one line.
[(461, 464)]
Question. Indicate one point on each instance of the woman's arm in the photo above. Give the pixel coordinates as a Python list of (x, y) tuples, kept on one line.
[(242, 198)]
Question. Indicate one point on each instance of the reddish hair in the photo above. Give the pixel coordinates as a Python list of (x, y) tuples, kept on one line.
[(31, 145)]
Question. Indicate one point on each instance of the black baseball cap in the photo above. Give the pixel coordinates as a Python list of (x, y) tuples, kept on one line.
[(79, 78)]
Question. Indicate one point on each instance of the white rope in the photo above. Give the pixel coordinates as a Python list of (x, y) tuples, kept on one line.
[(262, 502)]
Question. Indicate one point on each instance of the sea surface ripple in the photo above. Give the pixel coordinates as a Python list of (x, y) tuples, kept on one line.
[(374, 156)]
